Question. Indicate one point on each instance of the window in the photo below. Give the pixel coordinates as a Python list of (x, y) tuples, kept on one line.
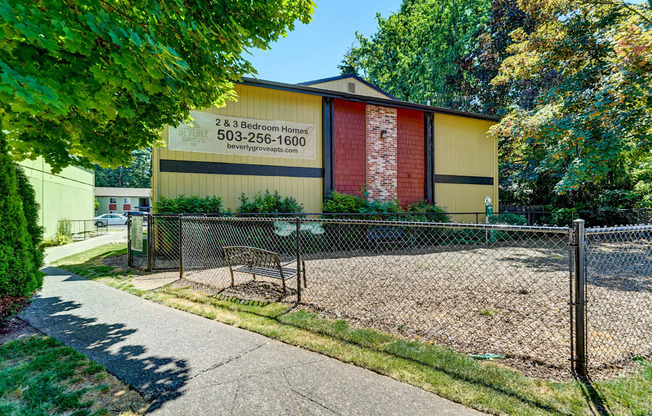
[(113, 201), (126, 200)]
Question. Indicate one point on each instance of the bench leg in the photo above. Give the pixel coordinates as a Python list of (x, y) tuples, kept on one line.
[(254, 276), (232, 281), (283, 280)]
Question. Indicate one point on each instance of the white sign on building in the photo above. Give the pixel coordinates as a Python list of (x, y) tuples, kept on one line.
[(212, 133)]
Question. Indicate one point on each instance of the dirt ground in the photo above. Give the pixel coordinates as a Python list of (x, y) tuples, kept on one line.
[(506, 300)]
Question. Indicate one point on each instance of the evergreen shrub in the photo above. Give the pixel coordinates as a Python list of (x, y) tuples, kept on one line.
[(19, 273)]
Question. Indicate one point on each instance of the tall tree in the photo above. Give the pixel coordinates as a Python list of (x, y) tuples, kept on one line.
[(89, 81), (488, 48), (138, 174), (416, 49), (19, 259), (590, 132)]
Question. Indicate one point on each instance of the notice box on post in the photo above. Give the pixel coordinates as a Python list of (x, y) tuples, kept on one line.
[(136, 233)]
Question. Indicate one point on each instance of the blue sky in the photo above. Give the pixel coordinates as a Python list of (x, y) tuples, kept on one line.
[(314, 50)]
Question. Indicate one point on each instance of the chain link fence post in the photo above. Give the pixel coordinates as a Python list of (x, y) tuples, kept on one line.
[(579, 241), (129, 256), (150, 244), (298, 220), (180, 246)]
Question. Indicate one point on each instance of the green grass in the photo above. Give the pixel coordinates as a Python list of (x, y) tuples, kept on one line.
[(41, 376), (485, 386)]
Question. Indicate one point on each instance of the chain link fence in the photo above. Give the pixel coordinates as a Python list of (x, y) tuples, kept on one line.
[(619, 295), (517, 291)]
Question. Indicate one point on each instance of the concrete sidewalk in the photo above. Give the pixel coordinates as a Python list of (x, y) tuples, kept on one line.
[(190, 365), (53, 254)]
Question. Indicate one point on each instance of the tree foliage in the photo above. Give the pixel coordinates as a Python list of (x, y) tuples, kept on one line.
[(89, 81), (136, 175), (589, 134), (416, 49), (488, 48)]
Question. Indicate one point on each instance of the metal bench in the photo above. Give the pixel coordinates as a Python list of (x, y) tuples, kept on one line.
[(256, 261), (388, 235)]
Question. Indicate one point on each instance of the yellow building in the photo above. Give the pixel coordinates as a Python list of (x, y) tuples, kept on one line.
[(67, 195), (341, 133)]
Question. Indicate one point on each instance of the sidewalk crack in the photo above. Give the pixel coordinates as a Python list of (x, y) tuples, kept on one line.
[(292, 389), (229, 360)]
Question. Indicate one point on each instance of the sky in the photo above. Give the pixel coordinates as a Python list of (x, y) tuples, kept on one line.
[(313, 51)]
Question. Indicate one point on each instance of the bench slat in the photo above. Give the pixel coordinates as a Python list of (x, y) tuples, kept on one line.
[(273, 273)]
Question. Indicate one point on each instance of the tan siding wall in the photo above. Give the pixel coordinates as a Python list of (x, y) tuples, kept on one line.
[(65, 195), (463, 147), (258, 103), (342, 85)]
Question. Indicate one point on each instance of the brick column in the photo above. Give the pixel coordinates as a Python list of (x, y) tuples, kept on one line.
[(382, 153)]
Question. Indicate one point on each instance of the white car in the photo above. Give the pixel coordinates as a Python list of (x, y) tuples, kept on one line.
[(110, 219)]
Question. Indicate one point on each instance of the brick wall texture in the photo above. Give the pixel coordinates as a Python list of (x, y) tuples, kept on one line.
[(391, 167), (411, 156), (382, 153), (349, 135)]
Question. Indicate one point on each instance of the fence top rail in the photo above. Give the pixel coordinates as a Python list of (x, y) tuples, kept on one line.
[(387, 223), (426, 224), (619, 229)]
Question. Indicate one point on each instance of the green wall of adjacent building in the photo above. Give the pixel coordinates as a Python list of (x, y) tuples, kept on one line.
[(68, 194)]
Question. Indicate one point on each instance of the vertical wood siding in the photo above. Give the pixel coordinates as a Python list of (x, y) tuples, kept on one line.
[(258, 103), (464, 148)]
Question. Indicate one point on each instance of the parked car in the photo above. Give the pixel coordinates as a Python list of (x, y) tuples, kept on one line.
[(110, 219)]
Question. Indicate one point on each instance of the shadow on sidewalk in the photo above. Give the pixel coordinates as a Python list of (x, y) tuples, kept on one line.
[(159, 379)]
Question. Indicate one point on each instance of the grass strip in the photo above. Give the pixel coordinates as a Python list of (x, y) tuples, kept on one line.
[(41, 376), (485, 386)]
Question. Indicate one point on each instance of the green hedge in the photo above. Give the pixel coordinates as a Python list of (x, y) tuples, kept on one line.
[(188, 205), (19, 261)]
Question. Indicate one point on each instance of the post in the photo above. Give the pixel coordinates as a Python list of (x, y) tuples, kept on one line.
[(129, 257), (180, 246), (298, 260), (150, 238), (579, 238)]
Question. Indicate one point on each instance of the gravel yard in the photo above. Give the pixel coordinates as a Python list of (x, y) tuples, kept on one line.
[(508, 300)]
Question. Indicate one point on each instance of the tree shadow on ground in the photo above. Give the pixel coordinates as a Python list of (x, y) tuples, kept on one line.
[(159, 379)]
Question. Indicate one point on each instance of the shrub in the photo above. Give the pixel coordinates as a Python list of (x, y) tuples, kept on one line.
[(507, 218), (19, 274), (57, 240), (188, 205), (338, 202), (431, 212), (269, 203), (341, 203), (64, 228)]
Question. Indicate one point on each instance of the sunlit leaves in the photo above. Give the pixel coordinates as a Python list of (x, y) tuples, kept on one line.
[(88, 81), (594, 125)]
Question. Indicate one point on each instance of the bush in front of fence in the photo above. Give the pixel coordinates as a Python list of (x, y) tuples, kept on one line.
[(188, 205), (268, 203)]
